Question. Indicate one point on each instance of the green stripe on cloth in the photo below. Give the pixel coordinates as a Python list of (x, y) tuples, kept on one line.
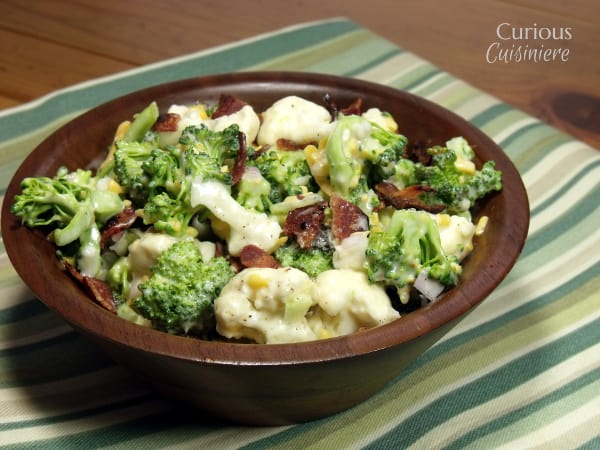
[(525, 359)]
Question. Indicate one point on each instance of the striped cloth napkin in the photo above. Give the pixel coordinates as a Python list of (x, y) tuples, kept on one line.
[(521, 371)]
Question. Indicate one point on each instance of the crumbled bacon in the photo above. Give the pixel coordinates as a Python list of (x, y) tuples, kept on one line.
[(240, 160), (254, 256), (346, 218), (122, 221), (228, 104), (304, 223), (167, 122), (418, 153), (353, 108), (408, 197), (97, 289), (287, 144)]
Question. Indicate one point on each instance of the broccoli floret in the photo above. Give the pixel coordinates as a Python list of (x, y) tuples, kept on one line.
[(129, 170), (72, 208), (363, 196), (118, 278), (455, 180), (169, 173), (140, 129), (408, 243), (402, 174), (163, 169), (253, 190), (179, 295), (167, 207), (389, 155), (168, 214), (361, 153), (205, 167), (210, 154), (142, 123), (287, 172), (312, 261)]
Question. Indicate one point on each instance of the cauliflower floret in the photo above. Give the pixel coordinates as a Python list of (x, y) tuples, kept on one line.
[(188, 115), (239, 226), (142, 255), (267, 306), (285, 305), (350, 253), (295, 119), (384, 120), (350, 303), (246, 119), (456, 234)]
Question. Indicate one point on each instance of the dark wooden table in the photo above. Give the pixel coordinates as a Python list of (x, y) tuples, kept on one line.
[(552, 73)]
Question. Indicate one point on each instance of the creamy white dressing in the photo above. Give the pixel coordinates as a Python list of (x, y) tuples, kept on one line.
[(246, 118), (295, 119), (245, 227), (255, 305), (285, 304), (89, 258), (456, 234)]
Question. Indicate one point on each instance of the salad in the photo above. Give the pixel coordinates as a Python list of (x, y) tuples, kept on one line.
[(301, 222)]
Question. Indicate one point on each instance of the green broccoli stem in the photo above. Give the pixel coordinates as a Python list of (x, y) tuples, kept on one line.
[(89, 259), (142, 123), (81, 221), (342, 166)]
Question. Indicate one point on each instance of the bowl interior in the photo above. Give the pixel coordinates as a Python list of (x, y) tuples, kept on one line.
[(83, 142)]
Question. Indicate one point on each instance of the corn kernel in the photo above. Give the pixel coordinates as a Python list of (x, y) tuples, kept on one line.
[(310, 152), (353, 147), (115, 187), (191, 232), (481, 225), (201, 110), (444, 220), (390, 123), (465, 166), (324, 334), (121, 130), (374, 222), (255, 281), (220, 227)]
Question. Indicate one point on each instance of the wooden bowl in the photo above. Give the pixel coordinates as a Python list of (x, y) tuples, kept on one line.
[(268, 384)]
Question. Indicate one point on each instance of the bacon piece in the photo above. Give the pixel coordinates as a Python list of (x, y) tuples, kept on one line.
[(254, 256), (167, 122), (122, 221), (228, 104), (353, 108), (418, 153), (97, 289), (304, 223), (346, 218), (240, 161), (407, 197), (287, 144)]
